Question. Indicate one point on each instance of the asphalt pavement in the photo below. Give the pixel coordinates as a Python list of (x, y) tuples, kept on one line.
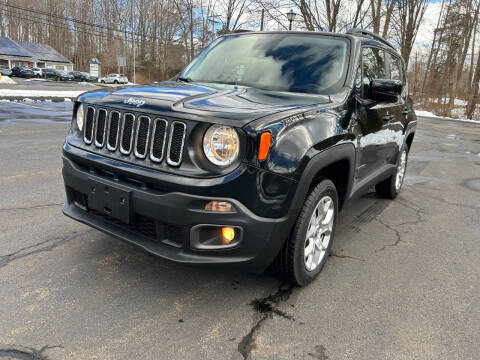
[(403, 281)]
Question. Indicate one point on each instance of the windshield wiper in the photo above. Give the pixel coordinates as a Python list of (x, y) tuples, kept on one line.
[(185, 79)]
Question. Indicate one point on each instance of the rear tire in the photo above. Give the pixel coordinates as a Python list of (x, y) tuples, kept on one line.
[(305, 252), (390, 188)]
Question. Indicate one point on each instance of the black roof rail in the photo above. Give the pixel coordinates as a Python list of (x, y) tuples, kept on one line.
[(369, 34), (240, 31)]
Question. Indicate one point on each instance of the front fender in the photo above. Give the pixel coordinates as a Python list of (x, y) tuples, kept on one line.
[(297, 138)]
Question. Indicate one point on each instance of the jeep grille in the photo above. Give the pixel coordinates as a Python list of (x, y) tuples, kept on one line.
[(142, 135)]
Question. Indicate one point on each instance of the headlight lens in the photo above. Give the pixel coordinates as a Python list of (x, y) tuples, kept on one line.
[(79, 117), (221, 145)]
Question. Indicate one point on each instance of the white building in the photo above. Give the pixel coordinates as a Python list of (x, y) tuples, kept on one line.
[(29, 54)]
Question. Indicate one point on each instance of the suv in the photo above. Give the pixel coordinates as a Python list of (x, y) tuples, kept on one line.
[(114, 79), (247, 156), (37, 72)]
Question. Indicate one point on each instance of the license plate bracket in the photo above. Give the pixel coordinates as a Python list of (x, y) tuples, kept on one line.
[(109, 200)]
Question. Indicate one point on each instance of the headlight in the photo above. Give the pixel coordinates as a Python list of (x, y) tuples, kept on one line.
[(79, 117), (221, 145)]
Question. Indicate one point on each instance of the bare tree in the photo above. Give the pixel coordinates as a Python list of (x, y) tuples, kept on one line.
[(407, 20)]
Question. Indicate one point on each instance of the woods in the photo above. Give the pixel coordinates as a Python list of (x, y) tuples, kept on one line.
[(167, 34)]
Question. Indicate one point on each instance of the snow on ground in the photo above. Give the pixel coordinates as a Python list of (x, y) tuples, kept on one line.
[(432, 115), (40, 93), (7, 80)]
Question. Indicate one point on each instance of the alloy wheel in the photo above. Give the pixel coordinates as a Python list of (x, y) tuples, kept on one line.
[(319, 233)]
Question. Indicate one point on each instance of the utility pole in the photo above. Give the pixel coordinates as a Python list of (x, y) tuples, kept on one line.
[(213, 21), (134, 74), (261, 21)]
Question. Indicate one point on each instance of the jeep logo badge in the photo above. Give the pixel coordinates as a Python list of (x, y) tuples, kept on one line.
[(134, 102)]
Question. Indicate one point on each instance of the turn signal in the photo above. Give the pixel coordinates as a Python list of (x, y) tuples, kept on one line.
[(228, 234), (264, 147)]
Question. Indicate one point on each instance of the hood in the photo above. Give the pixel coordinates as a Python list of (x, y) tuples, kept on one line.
[(202, 102)]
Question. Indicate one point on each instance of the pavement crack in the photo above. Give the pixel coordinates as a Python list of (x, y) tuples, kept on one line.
[(24, 352), (42, 246), (267, 307), (419, 212), (397, 234), (31, 207), (345, 256)]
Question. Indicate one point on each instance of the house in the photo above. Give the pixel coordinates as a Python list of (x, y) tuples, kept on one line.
[(30, 54)]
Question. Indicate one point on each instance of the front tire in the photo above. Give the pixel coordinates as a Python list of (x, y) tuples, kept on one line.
[(390, 188), (306, 250)]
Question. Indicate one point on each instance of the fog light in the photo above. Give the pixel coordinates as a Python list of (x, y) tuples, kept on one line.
[(228, 234), (219, 206)]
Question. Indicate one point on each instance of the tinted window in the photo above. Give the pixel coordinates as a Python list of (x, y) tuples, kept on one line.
[(395, 68), (281, 62), (373, 66)]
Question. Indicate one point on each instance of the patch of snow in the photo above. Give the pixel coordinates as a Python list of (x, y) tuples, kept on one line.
[(432, 115), (40, 93), (28, 100), (7, 80), (67, 100), (425, 113)]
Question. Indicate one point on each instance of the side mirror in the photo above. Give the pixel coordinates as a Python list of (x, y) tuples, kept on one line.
[(385, 90)]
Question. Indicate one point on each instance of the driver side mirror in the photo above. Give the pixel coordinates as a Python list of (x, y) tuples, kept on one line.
[(385, 90)]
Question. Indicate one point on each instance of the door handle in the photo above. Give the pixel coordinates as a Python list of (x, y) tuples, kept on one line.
[(387, 118)]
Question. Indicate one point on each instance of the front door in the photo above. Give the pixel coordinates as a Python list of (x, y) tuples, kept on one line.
[(373, 117)]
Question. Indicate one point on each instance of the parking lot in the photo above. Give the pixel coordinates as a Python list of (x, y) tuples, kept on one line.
[(402, 281)]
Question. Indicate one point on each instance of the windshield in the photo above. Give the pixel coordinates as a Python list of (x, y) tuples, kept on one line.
[(309, 63)]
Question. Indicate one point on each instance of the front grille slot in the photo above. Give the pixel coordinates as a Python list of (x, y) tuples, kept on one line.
[(175, 143), (135, 135), (143, 133), (100, 128), (159, 135), (89, 125), (113, 130), (127, 133)]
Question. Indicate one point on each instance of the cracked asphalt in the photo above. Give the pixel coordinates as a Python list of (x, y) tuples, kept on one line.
[(403, 281)]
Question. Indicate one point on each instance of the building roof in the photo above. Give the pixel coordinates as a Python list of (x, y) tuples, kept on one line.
[(31, 50), (11, 48), (43, 52)]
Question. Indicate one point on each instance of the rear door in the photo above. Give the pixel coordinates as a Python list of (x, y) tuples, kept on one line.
[(373, 117), (400, 108)]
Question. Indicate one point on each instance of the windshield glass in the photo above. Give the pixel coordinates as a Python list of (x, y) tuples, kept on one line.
[(309, 63)]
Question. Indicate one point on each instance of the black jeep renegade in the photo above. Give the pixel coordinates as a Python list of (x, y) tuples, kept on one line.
[(246, 157)]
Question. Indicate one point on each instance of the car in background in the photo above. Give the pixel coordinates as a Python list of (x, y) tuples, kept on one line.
[(114, 79), (5, 70), (64, 76), (37, 72), (92, 78), (22, 72), (79, 76), (50, 74)]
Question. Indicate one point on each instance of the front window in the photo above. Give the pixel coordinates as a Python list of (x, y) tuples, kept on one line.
[(307, 63)]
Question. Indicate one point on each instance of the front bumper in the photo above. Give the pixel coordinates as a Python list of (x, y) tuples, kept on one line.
[(164, 222)]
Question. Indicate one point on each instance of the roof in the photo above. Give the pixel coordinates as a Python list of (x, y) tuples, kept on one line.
[(11, 48), (43, 52), (29, 49)]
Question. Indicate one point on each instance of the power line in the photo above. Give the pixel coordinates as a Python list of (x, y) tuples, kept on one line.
[(29, 17), (72, 19)]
